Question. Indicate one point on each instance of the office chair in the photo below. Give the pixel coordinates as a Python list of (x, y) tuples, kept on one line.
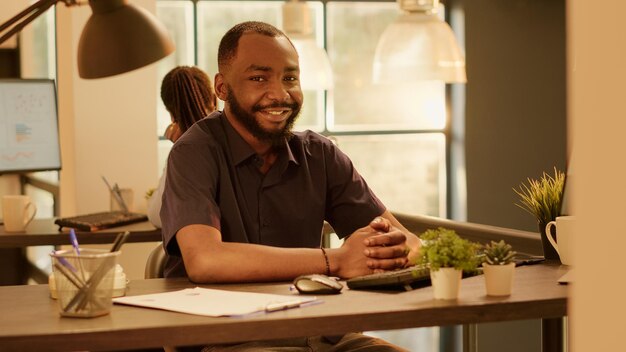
[(155, 263)]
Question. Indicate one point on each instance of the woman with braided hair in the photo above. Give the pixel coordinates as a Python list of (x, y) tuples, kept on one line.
[(188, 96)]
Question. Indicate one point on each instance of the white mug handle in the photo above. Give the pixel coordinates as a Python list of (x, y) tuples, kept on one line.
[(549, 236), (32, 216)]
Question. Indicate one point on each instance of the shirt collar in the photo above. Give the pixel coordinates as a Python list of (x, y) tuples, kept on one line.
[(241, 150)]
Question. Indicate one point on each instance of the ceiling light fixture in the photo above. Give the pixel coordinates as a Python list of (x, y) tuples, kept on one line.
[(315, 70), (117, 38), (418, 45)]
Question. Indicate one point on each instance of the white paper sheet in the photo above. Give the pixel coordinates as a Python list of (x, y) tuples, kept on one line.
[(215, 303)]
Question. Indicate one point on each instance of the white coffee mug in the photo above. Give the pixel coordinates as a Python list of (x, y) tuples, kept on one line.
[(565, 227), (17, 212)]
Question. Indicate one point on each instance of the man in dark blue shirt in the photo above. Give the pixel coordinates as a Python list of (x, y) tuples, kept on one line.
[(246, 197)]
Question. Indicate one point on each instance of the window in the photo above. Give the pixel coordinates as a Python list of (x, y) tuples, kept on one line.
[(390, 132)]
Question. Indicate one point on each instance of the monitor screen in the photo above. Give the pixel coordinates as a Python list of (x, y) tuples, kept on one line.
[(29, 133)]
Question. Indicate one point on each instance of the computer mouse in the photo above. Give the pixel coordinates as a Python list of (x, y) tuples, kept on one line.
[(317, 284)]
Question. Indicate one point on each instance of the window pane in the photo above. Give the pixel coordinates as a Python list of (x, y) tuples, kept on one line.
[(217, 17), (406, 171), (37, 47), (358, 103), (177, 16)]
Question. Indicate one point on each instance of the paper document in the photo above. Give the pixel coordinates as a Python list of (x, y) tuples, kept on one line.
[(216, 303)]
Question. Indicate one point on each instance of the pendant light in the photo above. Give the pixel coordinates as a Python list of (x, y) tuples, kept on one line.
[(118, 37), (418, 45), (315, 70)]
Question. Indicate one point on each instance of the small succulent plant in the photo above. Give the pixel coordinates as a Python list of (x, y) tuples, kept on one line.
[(498, 253)]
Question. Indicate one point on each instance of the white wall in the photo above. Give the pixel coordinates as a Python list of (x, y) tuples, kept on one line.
[(9, 9), (114, 124), (107, 127), (9, 184), (596, 76)]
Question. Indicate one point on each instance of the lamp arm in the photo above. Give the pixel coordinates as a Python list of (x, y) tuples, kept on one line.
[(26, 17)]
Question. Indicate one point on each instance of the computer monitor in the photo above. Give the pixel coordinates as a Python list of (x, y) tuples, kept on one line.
[(29, 132)]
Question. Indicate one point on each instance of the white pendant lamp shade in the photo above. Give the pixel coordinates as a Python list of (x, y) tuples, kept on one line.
[(119, 37), (418, 46), (315, 70)]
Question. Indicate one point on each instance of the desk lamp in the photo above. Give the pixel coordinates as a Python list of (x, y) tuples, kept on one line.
[(418, 45), (315, 70), (117, 38)]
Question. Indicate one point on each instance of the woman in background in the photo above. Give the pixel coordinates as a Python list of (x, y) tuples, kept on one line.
[(188, 96)]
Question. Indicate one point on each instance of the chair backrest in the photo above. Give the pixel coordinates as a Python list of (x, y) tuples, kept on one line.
[(156, 263)]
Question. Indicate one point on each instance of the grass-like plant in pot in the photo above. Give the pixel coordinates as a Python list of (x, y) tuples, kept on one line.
[(498, 268), (542, 198), (448, 256)]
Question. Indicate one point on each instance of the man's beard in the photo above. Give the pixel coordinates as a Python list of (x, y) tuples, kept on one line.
[(276, 138)]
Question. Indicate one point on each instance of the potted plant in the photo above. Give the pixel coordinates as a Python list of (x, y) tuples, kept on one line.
[(447, 256), (498, 268), (542, 199)]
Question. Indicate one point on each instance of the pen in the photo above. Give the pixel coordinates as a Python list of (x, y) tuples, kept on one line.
[(71, 273), (119, 241), (87, 290), (273, 307), (75, 280), (115, 191), (74, 242)]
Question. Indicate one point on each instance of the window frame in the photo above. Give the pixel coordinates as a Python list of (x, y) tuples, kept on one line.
[(452, 137)]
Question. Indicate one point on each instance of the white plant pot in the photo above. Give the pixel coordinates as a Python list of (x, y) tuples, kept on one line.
[(446, 283), (498, 279)]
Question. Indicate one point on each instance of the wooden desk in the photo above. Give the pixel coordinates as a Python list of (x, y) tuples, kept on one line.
[(31, 320), (43, 232)]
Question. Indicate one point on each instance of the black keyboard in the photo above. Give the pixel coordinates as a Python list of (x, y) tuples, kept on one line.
[(99, 221), (407, 278), (417, 276)]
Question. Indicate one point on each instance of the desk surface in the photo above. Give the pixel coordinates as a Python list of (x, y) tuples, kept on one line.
[(41, 232), (31, 320)]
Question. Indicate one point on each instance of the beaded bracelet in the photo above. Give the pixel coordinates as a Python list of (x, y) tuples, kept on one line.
[(326, 260)]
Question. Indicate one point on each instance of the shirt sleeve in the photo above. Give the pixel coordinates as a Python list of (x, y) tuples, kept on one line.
[(351, 202), (189, 192)]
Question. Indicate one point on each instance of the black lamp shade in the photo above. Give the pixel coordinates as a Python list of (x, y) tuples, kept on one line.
[(120, 37)]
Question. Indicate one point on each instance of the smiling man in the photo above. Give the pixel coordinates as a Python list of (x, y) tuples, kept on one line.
[(246, 198)]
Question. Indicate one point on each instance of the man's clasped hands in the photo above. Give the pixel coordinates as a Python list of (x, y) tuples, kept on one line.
[(375, 248)]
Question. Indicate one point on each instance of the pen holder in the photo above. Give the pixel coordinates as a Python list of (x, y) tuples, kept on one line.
[(84, 283), (128, 195)]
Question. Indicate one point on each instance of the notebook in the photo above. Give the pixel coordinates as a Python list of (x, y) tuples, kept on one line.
[(99, 221), (217, 303)]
